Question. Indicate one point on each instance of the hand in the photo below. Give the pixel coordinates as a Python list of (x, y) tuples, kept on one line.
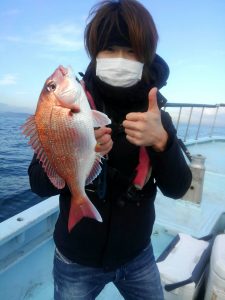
[(104, 140), (145, 129)]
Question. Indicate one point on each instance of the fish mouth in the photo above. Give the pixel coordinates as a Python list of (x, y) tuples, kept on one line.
[(66, 91), (59, 74), (64, 71)]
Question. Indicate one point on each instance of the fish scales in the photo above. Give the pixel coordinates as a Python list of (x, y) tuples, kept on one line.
[(66, 147), (62, 134)]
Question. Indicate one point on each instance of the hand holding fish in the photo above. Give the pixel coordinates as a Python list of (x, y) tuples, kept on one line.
[(104, 140), (62, 134), (146, 129)]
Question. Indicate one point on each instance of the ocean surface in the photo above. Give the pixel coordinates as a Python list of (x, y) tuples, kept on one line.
[(16, 154)]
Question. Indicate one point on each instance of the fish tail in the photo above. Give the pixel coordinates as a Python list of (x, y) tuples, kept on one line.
[(80, 209)]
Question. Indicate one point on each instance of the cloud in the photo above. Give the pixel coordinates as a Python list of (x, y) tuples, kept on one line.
[(61, 37), (8, 79)]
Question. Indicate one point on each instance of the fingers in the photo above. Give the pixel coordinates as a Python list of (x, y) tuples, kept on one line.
[(133, 133), (100, 132), (104, 148), (133, 125), (152, 107), (134, 140), (134, 136), (104, 140), (142, 128), (135, 116)]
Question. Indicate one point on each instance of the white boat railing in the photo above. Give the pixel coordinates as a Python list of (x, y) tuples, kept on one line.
[(191, 118)]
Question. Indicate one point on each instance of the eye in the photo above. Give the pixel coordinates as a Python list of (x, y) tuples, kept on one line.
[(51, 86)]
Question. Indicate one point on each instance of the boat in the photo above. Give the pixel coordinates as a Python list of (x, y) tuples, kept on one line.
[(26, 243)]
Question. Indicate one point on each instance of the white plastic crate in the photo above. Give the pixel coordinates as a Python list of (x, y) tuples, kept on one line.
[(215, 288), (182, 266)]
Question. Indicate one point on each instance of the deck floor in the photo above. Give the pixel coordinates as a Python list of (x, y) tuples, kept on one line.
[(198, 220)]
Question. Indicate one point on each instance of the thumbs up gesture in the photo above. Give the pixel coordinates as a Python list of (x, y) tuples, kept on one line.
[(145, 129)]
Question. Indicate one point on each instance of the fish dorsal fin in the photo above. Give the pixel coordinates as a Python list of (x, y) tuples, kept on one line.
[(30, 130), (100, 119), (96, 169)]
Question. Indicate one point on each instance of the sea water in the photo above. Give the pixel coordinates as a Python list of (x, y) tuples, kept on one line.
[(15, 157)]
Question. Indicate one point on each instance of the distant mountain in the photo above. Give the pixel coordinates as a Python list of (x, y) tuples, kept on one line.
[(15, 109)]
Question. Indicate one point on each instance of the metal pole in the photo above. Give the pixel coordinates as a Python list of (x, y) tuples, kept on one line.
[(178, 119), (214, 121), (188, 124), (200, 122)]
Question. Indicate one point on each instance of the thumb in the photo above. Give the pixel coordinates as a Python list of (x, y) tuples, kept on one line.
[(152, 100)]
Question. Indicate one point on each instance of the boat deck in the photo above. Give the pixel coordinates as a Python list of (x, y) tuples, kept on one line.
[(32, 264), (194, 219)]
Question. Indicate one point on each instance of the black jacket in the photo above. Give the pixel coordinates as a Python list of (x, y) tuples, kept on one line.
[(127, 222)]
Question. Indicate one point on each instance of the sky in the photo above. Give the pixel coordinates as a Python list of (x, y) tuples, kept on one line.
[(38, 35)]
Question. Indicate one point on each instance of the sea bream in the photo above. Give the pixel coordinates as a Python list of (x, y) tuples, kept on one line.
[(62, 135)]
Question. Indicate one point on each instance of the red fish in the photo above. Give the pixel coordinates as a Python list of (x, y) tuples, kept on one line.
[(62, 134)]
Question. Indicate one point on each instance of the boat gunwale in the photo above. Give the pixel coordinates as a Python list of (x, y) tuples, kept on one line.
[(28, 218)]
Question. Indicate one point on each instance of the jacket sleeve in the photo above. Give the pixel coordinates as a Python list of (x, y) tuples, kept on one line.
[(170, 169), (39, 181)]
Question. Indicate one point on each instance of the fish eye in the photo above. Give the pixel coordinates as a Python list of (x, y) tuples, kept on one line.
[(51, 86)]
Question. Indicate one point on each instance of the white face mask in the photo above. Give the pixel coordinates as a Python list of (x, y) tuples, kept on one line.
[(119, 72)]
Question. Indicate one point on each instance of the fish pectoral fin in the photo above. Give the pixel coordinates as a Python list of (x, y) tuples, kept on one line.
[(80, 209), (29, 129), (96, 169), (100, 119)]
